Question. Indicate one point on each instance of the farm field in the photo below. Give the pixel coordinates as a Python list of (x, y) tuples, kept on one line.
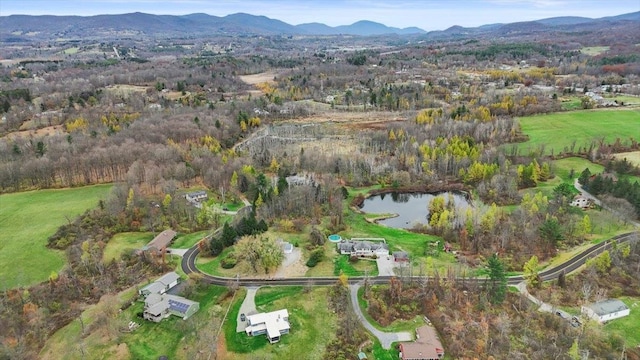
[(557, 132), (27, 219), (594, 50)]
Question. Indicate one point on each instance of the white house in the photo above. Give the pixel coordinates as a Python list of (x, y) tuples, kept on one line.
[(606, 310), (274, 324), (162, 285)]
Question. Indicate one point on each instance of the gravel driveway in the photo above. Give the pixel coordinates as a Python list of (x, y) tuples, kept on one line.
[(385, 265), (248, 307)]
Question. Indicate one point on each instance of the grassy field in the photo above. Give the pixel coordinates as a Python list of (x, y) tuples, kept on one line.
[(151, 340), (594, 50), (557, 132), (27, 219), (342, 265), (68, 342), (186, 241), (632, 157), (629, 326), (124, 242), (312, 325)]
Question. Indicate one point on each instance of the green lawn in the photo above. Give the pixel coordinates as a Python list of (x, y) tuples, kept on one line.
[(629, 326), (361, 267), (312, 325), (186, 241), (124, 242), (557, 132), (563, 167), (594, 50), (27, 219)]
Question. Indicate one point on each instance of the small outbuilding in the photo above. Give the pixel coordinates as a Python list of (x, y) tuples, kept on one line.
[(606, 310), (400, 256)]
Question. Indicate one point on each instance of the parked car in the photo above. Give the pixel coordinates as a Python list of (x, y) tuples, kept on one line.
[(575, 322), (242, 317)]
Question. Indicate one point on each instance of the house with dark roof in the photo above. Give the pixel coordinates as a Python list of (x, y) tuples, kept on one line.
[(161, 306), (400, 256), (427, 346), (363, 248), (161, 242), (162, 285), (606, 310)]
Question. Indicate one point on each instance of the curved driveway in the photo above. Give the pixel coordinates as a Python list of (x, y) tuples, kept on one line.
[(386, 338)]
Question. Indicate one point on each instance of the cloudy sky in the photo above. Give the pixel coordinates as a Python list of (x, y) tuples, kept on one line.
[(426, 14)]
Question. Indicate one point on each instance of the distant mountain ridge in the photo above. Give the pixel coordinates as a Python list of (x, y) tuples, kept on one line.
[(25, 27)]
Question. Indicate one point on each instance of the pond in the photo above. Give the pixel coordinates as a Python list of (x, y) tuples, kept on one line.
[(412, 208)]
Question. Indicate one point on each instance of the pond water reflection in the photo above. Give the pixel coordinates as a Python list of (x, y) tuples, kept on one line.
[(412, 208)]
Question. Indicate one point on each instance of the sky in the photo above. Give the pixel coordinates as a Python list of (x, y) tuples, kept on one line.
[(425, 14)]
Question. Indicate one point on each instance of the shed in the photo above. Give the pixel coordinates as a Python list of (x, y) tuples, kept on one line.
[(362, 356), (400, 256)]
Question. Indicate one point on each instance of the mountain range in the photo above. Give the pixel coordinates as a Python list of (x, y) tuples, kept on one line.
[(16, 28)]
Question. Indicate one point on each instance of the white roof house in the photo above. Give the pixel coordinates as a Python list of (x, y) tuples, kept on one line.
[(274, 324), (606, 310)]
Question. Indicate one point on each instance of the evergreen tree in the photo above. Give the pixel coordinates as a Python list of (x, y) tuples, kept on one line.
[(229, 235), (497, 280)]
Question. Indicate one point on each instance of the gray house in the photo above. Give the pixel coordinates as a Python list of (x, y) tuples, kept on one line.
[(363, 248), (606, 310), (161, 306), (162, 285)]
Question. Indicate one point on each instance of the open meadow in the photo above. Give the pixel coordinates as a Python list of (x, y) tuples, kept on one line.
[(27, 219), (559, 132), (312, 325)]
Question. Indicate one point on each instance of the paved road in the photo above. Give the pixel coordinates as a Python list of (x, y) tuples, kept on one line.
[(386, 338), (188, 266)]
